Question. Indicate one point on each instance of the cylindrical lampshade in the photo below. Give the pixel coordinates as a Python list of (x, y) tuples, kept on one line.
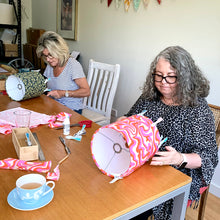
[(6, 13), (121, 147), (25, 85)]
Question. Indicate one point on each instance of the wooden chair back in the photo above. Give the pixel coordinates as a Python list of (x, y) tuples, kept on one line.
[(202, 203)]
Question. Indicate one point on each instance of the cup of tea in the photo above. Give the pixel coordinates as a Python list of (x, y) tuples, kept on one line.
[(22, 118), (32, 187)]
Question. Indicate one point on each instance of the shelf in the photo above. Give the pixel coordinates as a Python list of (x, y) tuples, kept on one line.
[(10, 26), (17, 12)]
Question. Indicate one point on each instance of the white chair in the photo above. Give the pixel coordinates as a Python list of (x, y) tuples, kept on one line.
[(103, 80), (75, 54)]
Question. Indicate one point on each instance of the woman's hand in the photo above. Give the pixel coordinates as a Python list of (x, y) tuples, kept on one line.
[(169, 157), (56, 93), (83, 90)]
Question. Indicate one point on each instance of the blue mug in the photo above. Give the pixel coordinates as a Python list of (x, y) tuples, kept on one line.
[(32, 187)]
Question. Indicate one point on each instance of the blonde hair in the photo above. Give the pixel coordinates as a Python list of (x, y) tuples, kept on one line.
[(56, 46)]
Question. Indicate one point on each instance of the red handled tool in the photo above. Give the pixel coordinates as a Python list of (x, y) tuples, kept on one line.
[(88, 124)]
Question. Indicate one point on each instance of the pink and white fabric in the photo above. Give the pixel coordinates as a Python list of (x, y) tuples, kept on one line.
[(55, 175), (57, 121), (120, 148), (16, 164), (7, 119), (40, 167)]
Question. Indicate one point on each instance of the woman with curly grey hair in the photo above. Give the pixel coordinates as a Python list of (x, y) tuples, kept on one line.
[(67, 82), (175, 89)]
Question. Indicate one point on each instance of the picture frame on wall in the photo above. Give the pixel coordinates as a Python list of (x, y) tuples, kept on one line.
[(67, 18)]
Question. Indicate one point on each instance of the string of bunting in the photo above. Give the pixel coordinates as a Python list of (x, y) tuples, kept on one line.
[(127, 3)]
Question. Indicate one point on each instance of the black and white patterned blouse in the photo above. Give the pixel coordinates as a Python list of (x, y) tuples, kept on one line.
[(189, 130)]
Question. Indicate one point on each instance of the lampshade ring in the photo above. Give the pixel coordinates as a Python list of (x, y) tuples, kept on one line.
[(19, 86), (117, 148)]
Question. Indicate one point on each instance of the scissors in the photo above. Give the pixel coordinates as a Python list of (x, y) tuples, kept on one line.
[(87, 123)]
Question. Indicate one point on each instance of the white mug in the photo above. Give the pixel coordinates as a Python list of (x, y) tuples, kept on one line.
[(31, 187)]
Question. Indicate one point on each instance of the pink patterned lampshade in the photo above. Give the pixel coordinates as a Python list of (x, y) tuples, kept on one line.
[(121, 147)]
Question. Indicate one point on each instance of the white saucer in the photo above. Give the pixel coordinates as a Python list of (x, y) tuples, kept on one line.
[(15, 202)]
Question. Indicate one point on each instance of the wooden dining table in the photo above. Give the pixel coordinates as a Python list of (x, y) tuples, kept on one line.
[(83, 191)]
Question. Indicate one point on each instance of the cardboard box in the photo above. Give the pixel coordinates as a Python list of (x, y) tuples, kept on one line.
[(33, 35), (11, 50), (24, 151)]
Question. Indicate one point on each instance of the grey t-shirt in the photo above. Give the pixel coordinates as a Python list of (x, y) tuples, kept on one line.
[(66, 81)]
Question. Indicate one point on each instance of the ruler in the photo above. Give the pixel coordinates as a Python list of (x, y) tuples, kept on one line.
[(40, 152)]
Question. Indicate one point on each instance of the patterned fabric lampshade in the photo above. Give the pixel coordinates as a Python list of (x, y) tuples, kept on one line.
[(25, 85), (120, 148)]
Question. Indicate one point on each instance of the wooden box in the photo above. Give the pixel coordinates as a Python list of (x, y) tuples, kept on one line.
[(11, 50), (24, 151), (33, 35)]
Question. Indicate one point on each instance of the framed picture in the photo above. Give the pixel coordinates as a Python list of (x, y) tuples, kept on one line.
[(67, 15)]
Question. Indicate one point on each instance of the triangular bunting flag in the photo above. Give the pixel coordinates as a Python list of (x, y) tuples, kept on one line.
[(136, 4), (146, 2), (127, 4), (159, 1), (117, 3), (109, 2)]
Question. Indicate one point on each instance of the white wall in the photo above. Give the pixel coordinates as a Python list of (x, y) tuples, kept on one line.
[(26, 18), (133, 39)]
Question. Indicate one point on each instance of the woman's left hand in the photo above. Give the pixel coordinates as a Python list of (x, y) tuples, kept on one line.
[(169, 157)]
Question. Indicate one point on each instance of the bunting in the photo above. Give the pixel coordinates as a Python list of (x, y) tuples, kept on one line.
[(136, 4), (146, 2), (118, 3), (109, 2), (127, 3)]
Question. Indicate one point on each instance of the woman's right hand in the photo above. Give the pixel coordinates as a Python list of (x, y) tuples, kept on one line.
[(57, 94)]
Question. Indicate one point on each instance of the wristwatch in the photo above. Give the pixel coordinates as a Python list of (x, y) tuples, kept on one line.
[(66, 93), (184, 162)]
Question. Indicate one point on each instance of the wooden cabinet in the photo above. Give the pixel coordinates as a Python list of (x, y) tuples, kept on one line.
[(29, 51)]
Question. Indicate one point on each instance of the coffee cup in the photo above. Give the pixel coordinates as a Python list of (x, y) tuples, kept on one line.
[(32, 187)]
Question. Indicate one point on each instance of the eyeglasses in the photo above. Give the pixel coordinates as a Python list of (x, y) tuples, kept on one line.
[(49, 56), (169, 79)]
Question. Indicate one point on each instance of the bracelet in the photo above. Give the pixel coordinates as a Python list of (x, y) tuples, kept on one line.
[(184, 162), (66, 93), (181, 160)]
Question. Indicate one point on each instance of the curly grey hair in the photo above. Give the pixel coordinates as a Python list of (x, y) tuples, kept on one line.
[(56, 46), (191, 83)]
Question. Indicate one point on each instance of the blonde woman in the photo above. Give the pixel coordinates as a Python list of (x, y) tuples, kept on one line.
[(67, 82)]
